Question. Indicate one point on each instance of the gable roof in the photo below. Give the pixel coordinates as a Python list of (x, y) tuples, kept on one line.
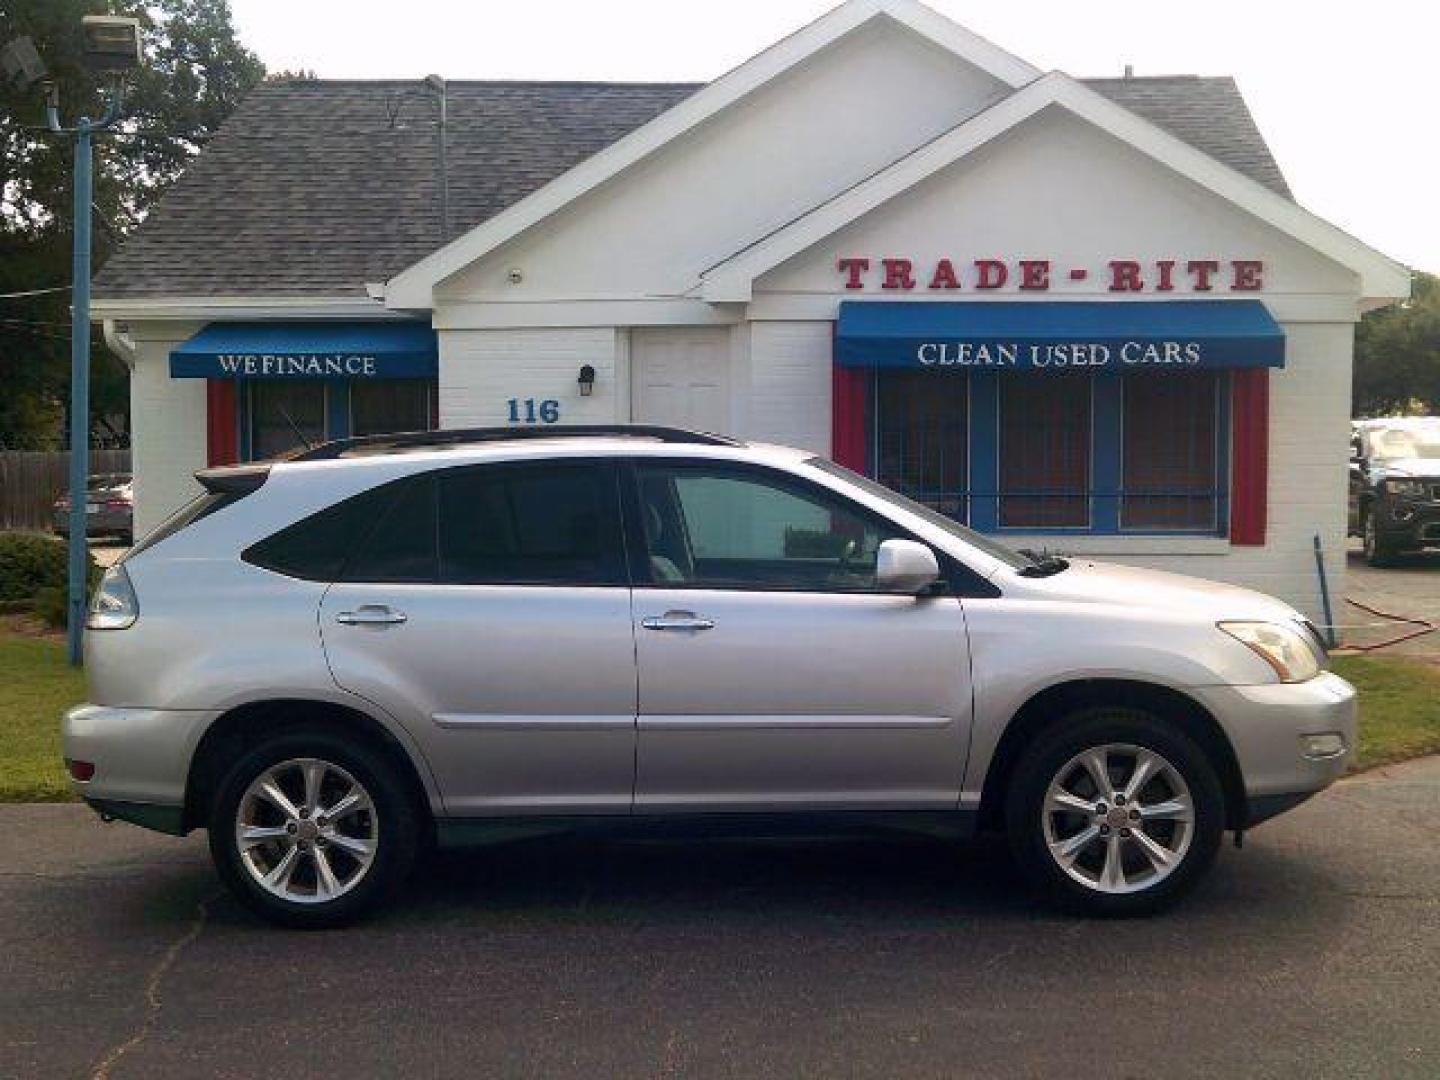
[(1207, 113), (309, 189), (731, 279), (315, 188)]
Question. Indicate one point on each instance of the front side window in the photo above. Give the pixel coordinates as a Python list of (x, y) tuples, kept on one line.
[(719, 527)]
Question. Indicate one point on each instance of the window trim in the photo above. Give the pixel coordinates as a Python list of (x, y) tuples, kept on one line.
[(957, 578)]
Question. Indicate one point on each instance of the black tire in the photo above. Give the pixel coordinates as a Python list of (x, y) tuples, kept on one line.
[(1378, 552), (1049, 754), (397, 826)]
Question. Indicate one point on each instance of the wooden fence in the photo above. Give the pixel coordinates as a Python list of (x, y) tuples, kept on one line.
[(31, 479)]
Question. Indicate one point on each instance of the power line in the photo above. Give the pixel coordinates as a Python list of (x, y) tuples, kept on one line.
[(34, 292)]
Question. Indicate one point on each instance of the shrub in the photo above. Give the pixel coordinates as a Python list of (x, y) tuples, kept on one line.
[(50, 605), (30, 562)]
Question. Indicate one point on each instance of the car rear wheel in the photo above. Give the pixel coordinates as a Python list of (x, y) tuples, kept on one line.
[(1114, 813), (312, 830)]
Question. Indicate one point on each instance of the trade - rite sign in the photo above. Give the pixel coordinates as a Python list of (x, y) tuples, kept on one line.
[(1035, 275)]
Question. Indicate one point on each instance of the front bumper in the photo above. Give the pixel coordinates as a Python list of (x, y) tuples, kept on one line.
[(141, 758), (1405, 523), (1284, 737)]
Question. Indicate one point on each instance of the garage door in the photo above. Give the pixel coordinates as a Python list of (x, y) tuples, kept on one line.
[(681, 377)]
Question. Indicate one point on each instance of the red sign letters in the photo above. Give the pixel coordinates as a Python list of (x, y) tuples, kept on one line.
[(1033, 275)]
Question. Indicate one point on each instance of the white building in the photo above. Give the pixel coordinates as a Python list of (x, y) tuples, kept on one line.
[(1082, 314)]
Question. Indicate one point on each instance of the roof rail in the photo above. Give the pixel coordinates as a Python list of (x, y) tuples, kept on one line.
[(426, 440)]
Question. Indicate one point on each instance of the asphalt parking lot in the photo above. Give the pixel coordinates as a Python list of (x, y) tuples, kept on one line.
[(1411, 588), (1315, 952)]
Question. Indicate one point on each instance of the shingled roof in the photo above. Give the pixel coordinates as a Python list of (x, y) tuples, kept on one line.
[(315, 187)]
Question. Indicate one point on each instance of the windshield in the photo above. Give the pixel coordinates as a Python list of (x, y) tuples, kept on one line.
[(1009, 556), (1414, 440)]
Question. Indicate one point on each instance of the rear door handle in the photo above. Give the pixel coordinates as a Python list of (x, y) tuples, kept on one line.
[(371, 615), (677, 620)]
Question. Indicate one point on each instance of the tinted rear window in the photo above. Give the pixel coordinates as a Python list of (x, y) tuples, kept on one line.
[(401, 546)]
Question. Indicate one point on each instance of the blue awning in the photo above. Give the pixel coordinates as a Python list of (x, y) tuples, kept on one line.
[(1095, 337), (313, 350)]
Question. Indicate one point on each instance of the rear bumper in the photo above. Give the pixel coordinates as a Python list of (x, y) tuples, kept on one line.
[(141, 759), (1290, 739)]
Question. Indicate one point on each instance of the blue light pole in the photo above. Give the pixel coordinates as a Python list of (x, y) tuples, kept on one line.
[(111, 44)]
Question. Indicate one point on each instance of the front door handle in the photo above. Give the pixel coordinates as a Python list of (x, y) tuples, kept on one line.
[(677, 620), (371, 615)]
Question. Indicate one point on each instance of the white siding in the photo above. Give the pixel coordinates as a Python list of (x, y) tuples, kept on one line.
[(852, 109), (169, 426), (481, 370)]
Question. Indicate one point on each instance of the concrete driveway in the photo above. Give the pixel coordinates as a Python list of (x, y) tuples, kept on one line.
[(1315, 952), (1410, 588)]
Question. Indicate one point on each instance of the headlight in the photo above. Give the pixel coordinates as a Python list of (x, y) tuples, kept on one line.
[(1283, 648), (1411, 489), (114, 606)]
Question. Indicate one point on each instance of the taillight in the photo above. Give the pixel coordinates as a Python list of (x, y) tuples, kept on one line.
[(117, 504), (80, 770), (114, 606)]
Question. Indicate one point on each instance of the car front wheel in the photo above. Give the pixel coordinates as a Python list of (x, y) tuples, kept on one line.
[(311, 830), (1378, 552), (1114, 812)]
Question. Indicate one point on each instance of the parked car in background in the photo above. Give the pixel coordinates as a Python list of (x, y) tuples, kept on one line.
[(1395, 485), (328, 661), (109, 507)]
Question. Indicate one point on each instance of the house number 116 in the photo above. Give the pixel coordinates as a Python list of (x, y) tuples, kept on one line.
[(530, 411)]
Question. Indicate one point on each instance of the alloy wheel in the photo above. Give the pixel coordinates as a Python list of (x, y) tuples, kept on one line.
[(306, 831), (1118, 818)]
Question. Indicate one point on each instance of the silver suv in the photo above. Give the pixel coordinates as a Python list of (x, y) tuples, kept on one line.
[(332, 661)]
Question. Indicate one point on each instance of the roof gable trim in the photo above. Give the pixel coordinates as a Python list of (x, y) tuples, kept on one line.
[(413, 287), (732, 280)]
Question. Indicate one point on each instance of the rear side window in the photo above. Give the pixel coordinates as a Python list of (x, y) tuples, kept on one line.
[(549, 524), (317, 548), (401, 545)]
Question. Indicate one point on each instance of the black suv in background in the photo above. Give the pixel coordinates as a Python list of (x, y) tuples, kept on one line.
[(1395, 485)]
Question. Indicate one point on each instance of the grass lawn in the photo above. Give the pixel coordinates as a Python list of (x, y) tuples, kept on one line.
[(35, 688), (1399, 712), (1399, 707)]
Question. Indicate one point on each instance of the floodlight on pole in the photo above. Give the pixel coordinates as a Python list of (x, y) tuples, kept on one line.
[(111, 44)]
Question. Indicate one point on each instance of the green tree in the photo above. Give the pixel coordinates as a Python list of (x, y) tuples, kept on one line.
[(1397, 354), (196, 72)]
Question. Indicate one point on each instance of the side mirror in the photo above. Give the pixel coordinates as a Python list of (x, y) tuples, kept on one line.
[(904, 566)]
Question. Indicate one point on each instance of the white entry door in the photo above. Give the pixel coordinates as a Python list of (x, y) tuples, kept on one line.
[(681, 377)]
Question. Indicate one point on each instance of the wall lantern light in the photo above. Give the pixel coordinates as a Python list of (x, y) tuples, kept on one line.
[(586, 381)]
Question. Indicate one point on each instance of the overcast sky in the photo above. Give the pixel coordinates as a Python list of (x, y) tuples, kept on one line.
[(1342, 92)]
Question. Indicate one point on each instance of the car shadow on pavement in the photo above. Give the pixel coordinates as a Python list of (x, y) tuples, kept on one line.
[(883, 884)]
